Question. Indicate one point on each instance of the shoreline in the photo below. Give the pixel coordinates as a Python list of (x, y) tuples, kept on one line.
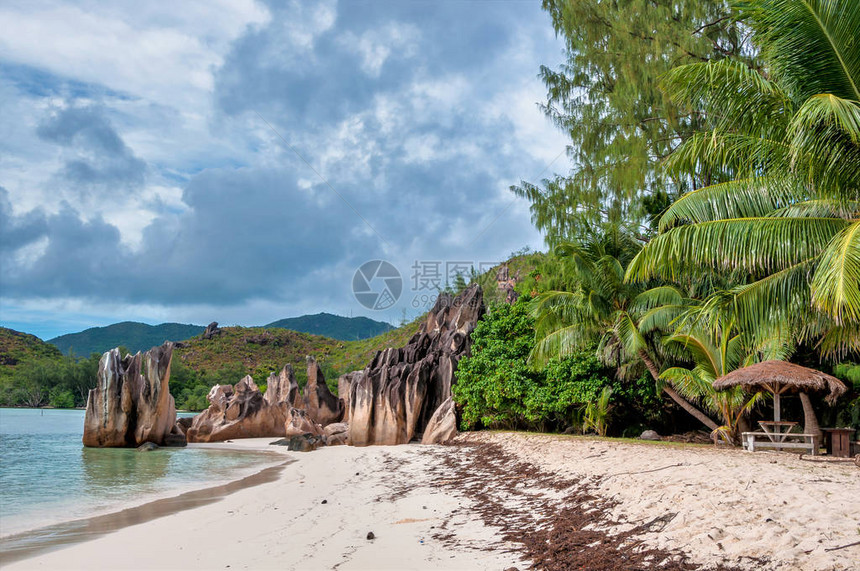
[(501, 500), (35, 542), (33, 538)]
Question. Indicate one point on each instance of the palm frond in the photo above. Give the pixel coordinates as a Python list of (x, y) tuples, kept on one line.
[(755, 245), (743, 198), (737, 154), (810, 44), (825, 145), (820, 208), (836, 283), (732, 95)]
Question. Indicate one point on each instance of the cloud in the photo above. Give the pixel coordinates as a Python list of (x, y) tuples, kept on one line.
[(99, 156), (403, 125)]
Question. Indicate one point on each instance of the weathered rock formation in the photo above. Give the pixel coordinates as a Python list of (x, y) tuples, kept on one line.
[(506, 283), (241, 411), (132, 403), (323, 407), (442, 426), (283, 388), (212, 330), (344, 387), (337, 433), (394, 399), (298, 422)]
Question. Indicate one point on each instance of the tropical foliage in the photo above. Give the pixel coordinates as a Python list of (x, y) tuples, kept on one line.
[(606, 98), (779, 160), (496, 388)]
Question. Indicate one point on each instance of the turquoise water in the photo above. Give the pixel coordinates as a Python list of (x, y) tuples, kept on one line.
[(47, 476)]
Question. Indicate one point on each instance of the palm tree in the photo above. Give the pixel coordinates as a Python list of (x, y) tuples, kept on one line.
[(599, 305), (780, 211), (707, 336)]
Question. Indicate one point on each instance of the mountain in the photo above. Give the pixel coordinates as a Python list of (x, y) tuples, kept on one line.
[(131, 335), (140, 336), (334, 326)]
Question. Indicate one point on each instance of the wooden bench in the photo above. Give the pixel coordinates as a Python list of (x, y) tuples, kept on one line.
[(791, 440)]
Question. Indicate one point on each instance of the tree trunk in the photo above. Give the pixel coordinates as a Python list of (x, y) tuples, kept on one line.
[(682, 402), (810, 422)]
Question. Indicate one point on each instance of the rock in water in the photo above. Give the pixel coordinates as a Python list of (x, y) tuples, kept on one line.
[(397, 395), (131, 403)]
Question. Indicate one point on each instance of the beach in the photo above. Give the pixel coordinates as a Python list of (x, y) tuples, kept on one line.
[(504, 500)]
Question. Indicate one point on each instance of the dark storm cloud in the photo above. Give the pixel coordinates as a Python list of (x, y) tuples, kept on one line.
[(18, 231), (247, 233), (98, 155)]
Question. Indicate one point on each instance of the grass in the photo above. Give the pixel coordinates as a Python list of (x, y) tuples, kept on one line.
[(260, 351)]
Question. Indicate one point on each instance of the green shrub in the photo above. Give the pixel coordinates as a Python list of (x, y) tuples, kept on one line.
[(496, 388)]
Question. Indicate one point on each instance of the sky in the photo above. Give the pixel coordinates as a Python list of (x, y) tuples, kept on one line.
[(241, 161)]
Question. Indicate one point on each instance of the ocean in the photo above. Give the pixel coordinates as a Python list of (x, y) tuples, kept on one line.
[(48, 477)]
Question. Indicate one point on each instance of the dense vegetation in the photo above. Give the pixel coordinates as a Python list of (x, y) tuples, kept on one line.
[(497, 389), (35, 373), (711, 218)]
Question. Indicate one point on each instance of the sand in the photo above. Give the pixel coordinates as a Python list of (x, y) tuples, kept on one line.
[(497, 498), (730, 506)]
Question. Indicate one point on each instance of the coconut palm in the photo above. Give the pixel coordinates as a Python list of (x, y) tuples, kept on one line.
[(600, 306), (780, 211), (707, 336)]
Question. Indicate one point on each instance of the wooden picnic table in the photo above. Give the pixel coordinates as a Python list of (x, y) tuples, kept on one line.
[(777, 434), (777, 431)]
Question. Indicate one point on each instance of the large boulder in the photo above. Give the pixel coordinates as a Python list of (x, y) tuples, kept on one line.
[(337, 434), (394, 399), (443, 424), (322, 406), (239, 411), (299, 422), (131, 403)]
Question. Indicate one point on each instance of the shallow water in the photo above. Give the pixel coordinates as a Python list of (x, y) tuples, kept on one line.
[(47, 476)]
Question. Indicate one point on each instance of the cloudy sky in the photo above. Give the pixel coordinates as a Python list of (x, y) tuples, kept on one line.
[(237, 161)]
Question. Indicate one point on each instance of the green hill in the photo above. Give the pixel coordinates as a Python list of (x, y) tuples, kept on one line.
[(334, 326), (259, 351), (17, 347), (130, 334)]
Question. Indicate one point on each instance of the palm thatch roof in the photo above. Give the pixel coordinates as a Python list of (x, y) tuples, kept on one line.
[(771, 374)]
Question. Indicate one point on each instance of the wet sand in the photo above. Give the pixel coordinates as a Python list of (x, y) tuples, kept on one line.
[(45, 539)]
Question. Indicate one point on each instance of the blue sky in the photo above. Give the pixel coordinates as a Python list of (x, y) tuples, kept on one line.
[(238, 161)]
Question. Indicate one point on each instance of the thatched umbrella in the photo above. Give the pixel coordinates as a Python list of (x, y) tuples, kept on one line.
[(778, 377)]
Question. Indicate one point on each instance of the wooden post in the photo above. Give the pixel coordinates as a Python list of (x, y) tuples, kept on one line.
[(776, 411)]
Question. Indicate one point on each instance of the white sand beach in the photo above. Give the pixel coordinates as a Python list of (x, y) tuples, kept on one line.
[(747, 510)]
